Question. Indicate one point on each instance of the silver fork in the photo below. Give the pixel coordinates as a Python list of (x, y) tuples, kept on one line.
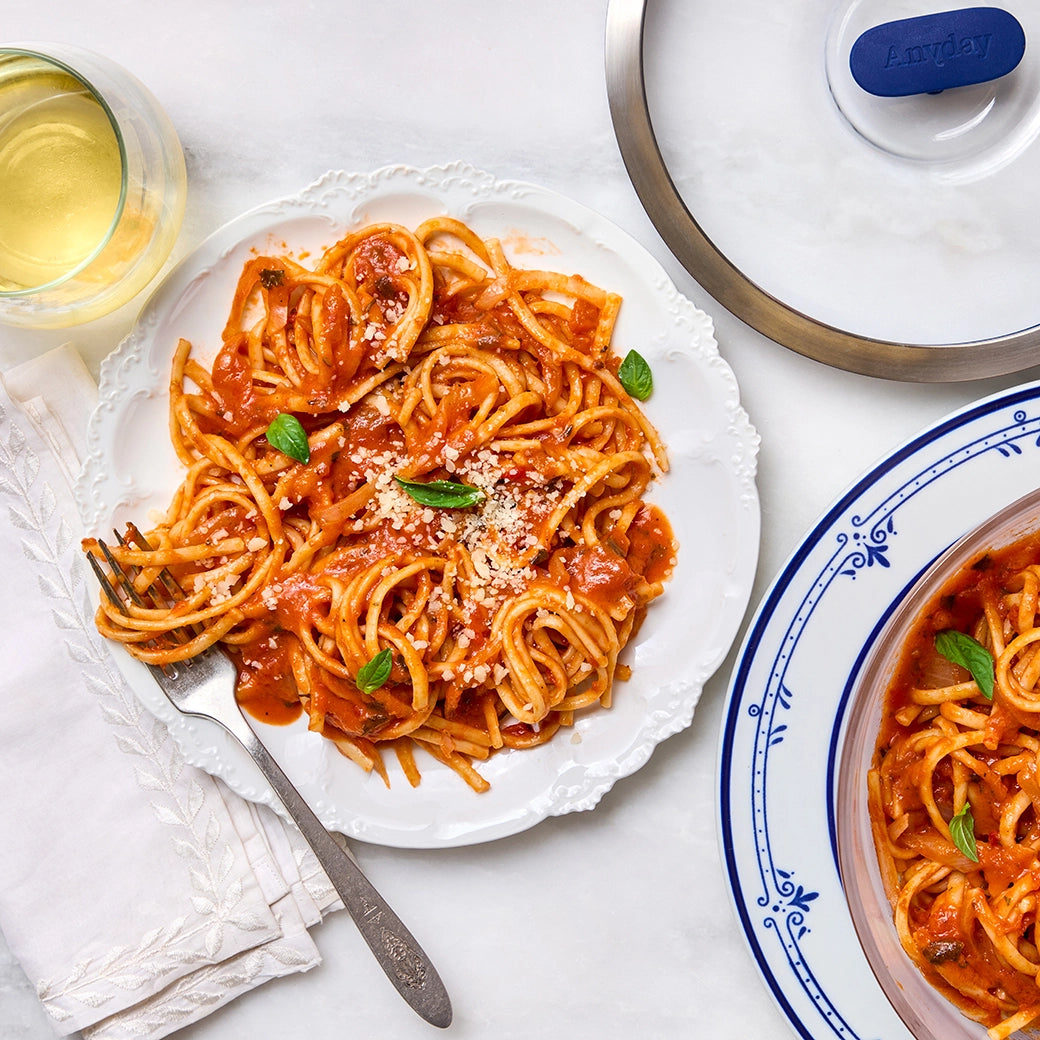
[(203, 686)]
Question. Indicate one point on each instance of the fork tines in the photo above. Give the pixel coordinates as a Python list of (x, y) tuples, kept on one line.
[(125, 588)]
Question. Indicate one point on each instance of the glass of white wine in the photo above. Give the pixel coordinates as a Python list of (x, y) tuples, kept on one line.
[(92, 186)]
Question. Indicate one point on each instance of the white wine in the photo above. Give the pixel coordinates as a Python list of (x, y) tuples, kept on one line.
[(61, 174), (92, 186)]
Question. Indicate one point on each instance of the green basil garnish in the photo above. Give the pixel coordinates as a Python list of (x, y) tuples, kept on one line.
[(962, 831), (635, 375), (442, 494), (374, 673), (969, 653), (271, 277), (288, 435)]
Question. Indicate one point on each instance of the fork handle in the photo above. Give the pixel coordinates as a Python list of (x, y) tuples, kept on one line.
[(398, 954)]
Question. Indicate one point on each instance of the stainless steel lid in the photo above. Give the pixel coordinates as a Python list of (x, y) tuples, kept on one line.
[(894, 237)]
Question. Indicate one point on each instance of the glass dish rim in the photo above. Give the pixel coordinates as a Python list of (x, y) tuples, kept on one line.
[(870, 911)]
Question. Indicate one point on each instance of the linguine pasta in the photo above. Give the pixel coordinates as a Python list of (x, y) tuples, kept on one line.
[(453, 546), (954, 791)]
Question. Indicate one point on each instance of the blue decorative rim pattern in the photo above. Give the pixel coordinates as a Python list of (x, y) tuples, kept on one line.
[(784, 720)]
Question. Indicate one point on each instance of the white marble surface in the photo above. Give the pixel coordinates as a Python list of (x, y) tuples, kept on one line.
[(600, 925)]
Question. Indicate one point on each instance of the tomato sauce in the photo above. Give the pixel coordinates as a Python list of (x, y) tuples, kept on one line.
[(266, 688), (652, 544)]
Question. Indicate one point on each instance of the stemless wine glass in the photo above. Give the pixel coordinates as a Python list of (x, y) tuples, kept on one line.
[(92, 185)]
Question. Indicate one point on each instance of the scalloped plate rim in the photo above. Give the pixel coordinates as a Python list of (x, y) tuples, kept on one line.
[(688, 341)]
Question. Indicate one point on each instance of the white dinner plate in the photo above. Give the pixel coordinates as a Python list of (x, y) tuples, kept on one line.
[(785, 716), (709, 495)]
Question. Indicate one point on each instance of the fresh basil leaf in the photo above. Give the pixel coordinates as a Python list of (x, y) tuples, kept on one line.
[(442, 494), (962, 831), (288, 435), (961, 649), (374, 673), (635, 375)]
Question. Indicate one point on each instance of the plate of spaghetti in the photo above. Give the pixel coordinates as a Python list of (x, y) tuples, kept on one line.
[(882, 809), (435, 458)]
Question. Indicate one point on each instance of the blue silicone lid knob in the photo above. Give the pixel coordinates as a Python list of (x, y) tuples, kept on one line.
[(935, 52)]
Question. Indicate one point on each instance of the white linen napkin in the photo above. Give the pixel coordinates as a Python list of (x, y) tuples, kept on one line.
[(138, 893)]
